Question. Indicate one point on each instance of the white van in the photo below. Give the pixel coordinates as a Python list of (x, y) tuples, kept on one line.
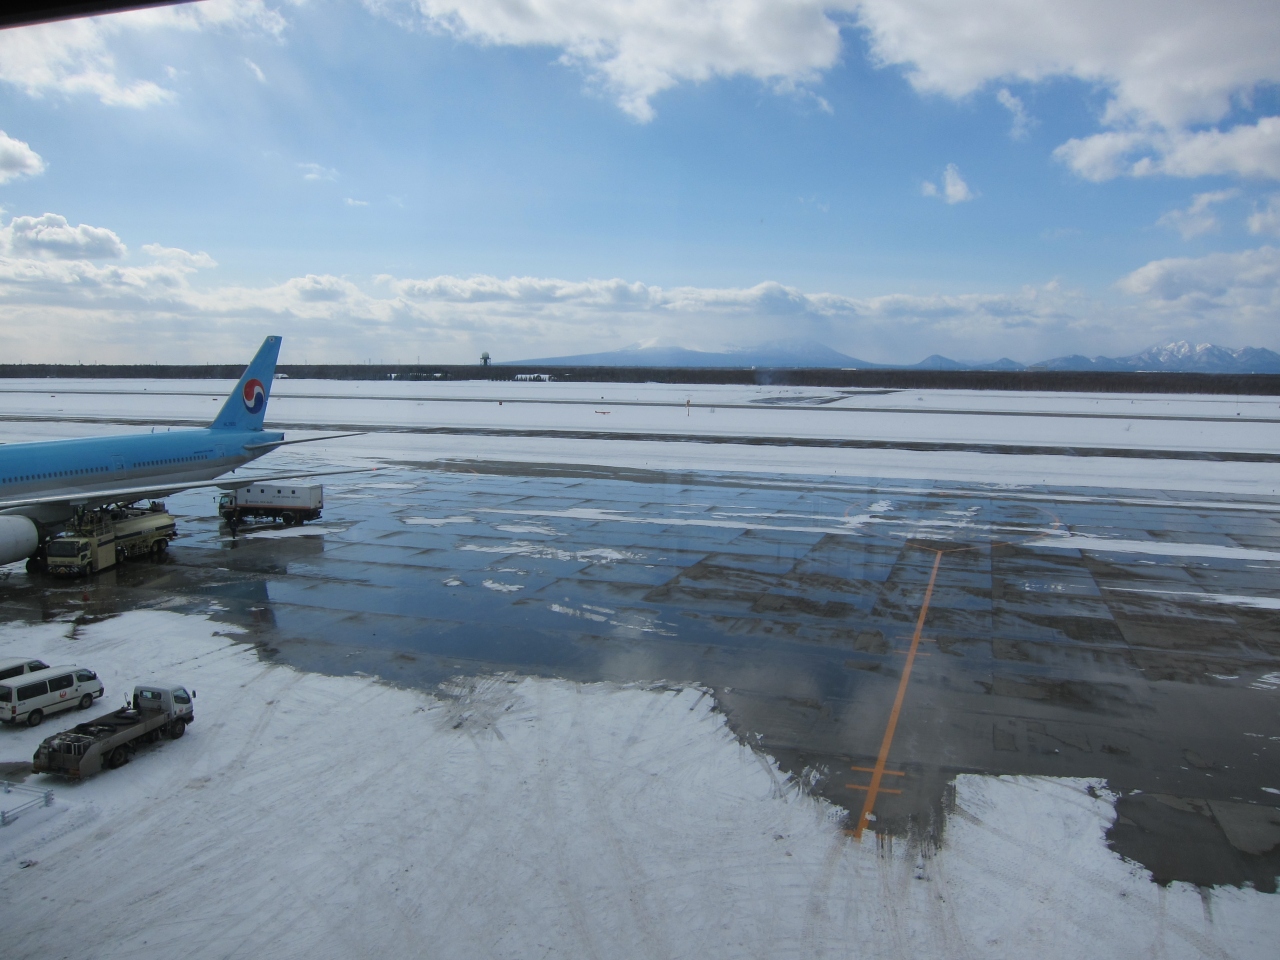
[(29, 698), (17, 666)]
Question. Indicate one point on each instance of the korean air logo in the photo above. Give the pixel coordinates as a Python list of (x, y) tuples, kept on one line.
[(255, 396)]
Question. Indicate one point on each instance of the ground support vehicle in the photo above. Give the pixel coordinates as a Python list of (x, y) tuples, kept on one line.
[(287, 503), (17, 666), (110, 741), (97, 539), (28, 698)]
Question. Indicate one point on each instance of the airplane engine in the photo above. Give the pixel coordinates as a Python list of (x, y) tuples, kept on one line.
[(18, 539)]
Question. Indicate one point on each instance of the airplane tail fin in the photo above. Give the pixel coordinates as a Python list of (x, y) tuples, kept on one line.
[(247, 405)]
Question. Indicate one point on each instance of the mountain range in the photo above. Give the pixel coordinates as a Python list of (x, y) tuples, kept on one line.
[(1176, 356)]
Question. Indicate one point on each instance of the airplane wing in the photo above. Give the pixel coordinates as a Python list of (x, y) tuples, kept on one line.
[(94, 498), (285, 443)]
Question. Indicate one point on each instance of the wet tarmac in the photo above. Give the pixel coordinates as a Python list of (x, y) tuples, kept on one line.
[(1133, 638)]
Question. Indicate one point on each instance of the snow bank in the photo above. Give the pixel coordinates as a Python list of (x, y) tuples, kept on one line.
[(314, 816)]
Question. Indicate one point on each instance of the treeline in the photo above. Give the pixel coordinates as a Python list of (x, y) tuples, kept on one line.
[(1028, 380)]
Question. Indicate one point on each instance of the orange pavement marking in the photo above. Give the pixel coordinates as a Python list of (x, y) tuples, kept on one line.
[(878, 774), (891, 773), (858, 786)]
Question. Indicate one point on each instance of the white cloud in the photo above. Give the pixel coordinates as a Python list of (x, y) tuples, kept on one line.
[(179, 257), (255, 70), (634, 51), (1022, 121), (1172, 61), (1249, 150), (1167, 65), (73, 57), (1219, 278), (314, 171), (1224, 297), (1199, 217), (355, 203), (1266, 219), (17, 159), (51, 237), (953, 188)]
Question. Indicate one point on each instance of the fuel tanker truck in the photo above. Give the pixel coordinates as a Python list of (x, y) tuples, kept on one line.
[(92, 540), (98, 539)]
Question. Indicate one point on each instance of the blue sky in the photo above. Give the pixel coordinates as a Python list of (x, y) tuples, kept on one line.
[(439, 177)]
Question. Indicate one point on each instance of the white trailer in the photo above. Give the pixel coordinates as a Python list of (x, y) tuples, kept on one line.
[(288, 503)]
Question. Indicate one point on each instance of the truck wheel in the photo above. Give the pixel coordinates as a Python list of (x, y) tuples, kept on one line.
[(289, 519), (118, 757), (176, 729), (34, 718), (86, 701)]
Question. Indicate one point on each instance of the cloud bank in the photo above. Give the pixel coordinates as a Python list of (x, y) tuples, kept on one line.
[(66, 290), (50, 237), (1170, 68)]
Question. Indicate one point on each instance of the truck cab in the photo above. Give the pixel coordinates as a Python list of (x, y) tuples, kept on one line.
[(173, 701), (69, 553)]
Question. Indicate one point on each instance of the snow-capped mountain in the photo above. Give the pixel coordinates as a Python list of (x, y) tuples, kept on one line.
[(1176, 356)]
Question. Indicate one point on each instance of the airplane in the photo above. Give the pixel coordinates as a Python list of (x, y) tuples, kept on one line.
[(43, 484)]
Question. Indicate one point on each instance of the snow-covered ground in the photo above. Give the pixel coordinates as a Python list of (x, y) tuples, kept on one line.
[(633, 425), (1108, 420), (336, 817)]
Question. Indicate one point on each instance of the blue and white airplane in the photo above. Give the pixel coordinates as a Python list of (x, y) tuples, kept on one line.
[(42, 484)]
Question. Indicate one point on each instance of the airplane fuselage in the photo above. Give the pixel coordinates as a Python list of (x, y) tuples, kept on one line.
[(82, 467)]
